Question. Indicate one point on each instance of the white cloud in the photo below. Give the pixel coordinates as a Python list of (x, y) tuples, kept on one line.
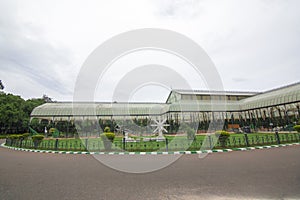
[(254, 43)]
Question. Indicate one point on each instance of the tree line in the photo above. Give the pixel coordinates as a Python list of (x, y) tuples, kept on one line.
[(15, 111)]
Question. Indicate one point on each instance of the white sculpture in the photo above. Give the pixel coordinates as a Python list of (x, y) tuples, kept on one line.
[(46, 132), (160, 124)]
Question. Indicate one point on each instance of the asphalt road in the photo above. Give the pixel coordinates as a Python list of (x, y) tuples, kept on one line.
[(259, 174)]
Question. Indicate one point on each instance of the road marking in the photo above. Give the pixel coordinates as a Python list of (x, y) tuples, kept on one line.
[(149, 153)]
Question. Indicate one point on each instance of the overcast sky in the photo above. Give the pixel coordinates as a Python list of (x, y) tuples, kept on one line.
[(254, 44)]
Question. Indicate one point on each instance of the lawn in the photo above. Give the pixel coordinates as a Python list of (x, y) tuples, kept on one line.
[(173, 143)]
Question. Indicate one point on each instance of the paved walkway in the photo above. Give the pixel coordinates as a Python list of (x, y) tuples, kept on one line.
[(268, 173)]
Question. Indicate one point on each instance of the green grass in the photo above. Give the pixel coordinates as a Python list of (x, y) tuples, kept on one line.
[(175, 143)]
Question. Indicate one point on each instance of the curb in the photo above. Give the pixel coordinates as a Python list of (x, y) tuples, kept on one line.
[(151, 153)]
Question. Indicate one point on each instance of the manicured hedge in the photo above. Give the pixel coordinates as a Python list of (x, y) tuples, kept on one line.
[(297, 128), (37, 139), (108, 136), (222, 133)]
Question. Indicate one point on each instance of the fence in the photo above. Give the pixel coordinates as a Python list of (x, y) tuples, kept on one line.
[(170, 144)]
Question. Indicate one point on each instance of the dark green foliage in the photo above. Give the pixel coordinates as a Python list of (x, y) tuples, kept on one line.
[(176, 143), (297, 128), (107, 123), (3, 136), (62, 135), (24, 136), (15, 112), (51, 131), (15, 137), (18, 136), (174, 126), (141, 122), (37, 139), (54, 132), (61, 126), (223, 136)]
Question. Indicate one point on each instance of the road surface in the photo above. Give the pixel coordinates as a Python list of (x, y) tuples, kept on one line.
[(258, 174)]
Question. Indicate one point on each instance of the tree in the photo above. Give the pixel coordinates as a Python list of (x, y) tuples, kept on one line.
[(1, 85), (15, 112), (12, 114)]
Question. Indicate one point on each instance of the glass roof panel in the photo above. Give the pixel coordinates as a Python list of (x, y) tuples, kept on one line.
[(271, 98)]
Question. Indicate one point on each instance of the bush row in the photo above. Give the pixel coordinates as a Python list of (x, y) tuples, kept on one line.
[(18, 136), (297, 128)]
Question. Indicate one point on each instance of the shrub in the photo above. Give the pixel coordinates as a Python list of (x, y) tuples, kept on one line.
[(12, 139), (51, 131), (223, 136), (15, 136), (191, 134), (3, 136), (222, 133), (108, 136), (37, 139), (54, 132), (24, 136), (107, 139), (106, 129), (297, 128)]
